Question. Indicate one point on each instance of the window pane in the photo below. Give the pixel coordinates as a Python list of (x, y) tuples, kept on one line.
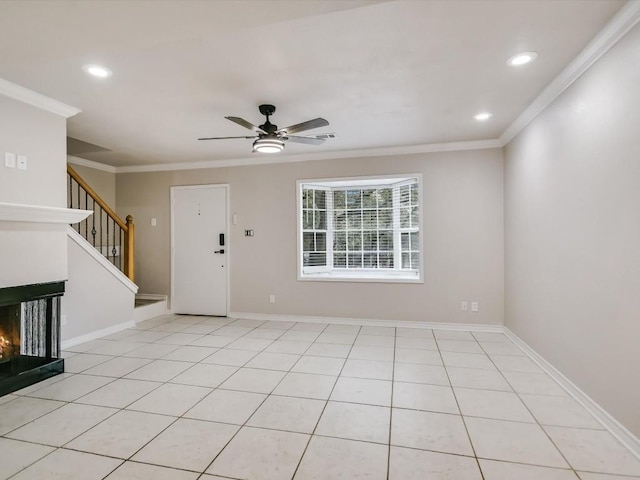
[(354, 198), (340, 260), (340, 220), (404, 218), (317, 259), (369, 198), (307, 219), (414, 194), (415, 241), (321, 242), (340, 241), (339, 199), (320, 219), (415, 261), (354, 219), (405, 195), (406, 260), (404, 242), (307, 198), (369, 219), (386, 260), (370, 260), (320, 199), (307, 242), (355, 260), (414, 217), (385, 196), (385, 217), (385, 240), (355, 241), (370, 240)]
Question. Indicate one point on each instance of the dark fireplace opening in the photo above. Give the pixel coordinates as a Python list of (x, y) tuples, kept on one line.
[(29, 335)]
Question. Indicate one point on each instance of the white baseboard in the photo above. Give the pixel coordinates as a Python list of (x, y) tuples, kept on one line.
[(618, 430), (97, 334), (366, 322)]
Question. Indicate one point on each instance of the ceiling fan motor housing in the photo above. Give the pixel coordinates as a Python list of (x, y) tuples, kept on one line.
[(267, 126)]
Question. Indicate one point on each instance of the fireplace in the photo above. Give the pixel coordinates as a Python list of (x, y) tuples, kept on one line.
[(29, 335)]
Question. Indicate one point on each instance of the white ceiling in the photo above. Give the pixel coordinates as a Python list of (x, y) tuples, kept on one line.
[(384, 73)]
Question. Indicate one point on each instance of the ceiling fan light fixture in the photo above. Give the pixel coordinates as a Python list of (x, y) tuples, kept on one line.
[(268, 145)]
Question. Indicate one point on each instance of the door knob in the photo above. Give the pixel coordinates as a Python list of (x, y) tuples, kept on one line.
[(219, 251)]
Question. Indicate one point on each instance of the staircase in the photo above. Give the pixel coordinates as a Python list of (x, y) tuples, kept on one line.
[(101, 293), (105, 230)]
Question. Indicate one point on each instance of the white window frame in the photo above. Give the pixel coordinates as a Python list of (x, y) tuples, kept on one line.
[(395, 275)]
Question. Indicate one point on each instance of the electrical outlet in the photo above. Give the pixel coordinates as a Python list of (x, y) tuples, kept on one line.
[(248, 233), (464, 306), (474, 306), (272, 298)]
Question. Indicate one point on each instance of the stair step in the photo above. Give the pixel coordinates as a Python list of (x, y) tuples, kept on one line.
[(143, 302)]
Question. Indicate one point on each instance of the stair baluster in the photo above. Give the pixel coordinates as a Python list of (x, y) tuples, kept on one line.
[(116, 242)]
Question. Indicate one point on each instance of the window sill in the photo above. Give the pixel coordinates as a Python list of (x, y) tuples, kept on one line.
[(358, 277)]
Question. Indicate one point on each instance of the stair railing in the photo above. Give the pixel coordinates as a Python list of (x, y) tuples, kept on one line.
[(105, 230)]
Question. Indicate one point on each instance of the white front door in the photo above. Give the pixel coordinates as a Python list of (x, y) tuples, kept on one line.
[(199, 250)]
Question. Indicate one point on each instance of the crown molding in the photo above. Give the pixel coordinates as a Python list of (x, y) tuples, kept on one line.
[(91, 164), (618, 26), (25, 95), (308, 157)]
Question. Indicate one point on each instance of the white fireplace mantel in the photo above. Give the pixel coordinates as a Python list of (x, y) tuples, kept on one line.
[(14, 212)]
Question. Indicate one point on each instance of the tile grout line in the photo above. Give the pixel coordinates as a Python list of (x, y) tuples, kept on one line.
[(256, 409), (533, 416), (455, 397), (313, 432), (393, 372)]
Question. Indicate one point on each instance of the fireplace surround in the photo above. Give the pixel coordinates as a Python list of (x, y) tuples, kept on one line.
[(29, 334)]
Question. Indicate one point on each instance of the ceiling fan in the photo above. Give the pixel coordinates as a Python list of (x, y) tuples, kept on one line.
[(270, 139)]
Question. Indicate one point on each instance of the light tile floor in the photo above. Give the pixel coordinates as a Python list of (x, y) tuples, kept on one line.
[(188, 397)]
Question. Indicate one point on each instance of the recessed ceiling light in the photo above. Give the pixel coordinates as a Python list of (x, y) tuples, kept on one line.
[(482, 116), (97, 70), (522, 59)]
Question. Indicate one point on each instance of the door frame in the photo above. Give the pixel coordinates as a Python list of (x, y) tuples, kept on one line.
[(227, 247)]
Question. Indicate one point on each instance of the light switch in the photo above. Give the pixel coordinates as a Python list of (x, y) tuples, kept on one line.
[(154, 222), (9, 160), (22, 162), (234, 219)]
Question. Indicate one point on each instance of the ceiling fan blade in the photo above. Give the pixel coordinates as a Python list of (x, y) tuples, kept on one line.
[(245, 124), (307, 140), (223, 138), (301, 127), (323, 135)]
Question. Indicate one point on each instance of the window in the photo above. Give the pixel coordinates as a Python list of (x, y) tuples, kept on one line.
[(363, 229)]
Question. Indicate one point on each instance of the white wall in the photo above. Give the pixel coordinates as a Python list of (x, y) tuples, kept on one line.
[(32, 253), (94, 299), (463, 237), (103, 183), (572, 226)]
